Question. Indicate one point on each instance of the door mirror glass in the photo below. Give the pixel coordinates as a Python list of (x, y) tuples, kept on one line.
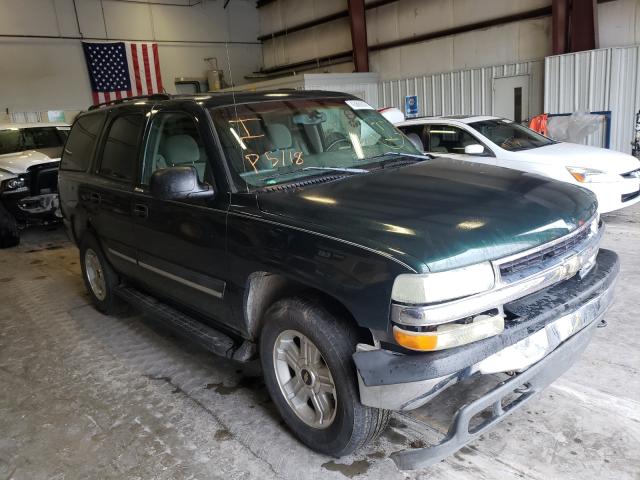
[(474, 149), (178, 183)]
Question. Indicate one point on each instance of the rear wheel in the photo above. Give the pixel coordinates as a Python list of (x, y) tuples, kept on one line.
[(99, 277), (306, 358), (9, 235)]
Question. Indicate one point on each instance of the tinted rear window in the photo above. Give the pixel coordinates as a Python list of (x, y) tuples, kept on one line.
[(120, 152), (82, 140), (15, 140)]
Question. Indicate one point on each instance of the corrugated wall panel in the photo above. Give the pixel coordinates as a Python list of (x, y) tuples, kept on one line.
[(463, 92), (605, 79)]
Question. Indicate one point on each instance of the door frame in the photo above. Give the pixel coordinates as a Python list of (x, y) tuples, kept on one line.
[(493, 91)]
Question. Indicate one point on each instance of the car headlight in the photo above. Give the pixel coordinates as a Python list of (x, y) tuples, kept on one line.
[(13, 184), (428, 288), (591, 175), (436, 287)]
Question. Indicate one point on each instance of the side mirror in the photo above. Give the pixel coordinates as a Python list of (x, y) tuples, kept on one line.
[(178, 183), (474, 149)]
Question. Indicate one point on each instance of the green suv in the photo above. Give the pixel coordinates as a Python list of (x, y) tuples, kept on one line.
[(302, 229)]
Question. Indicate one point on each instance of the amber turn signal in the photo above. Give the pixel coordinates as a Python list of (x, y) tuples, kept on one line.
[(415, 340), (450, 335)]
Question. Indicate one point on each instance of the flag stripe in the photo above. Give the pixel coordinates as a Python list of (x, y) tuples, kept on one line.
[(147, 70), (96, 97), (156, 61), (152, 72), (136, 70)]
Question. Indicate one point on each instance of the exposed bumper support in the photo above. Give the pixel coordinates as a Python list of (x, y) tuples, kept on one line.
[(526, 385)]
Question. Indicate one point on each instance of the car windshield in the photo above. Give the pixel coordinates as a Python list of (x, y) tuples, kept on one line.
[(14, 140), (509, 135), (278, 141)]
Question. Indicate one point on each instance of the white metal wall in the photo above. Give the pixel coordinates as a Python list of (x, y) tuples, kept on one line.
[(605, 79), (464, 92)]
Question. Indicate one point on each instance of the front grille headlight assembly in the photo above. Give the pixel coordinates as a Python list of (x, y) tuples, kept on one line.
[(430, 288)]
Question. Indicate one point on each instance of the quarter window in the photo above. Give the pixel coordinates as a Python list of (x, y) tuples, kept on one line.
[(448, 139), (119, 155), (82, 139), (174, 141)]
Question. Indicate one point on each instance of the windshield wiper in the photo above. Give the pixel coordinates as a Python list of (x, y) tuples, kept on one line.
[(426, 156), (328, 169), (338, 169)]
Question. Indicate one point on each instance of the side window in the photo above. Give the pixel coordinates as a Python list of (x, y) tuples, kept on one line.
[(173, 141), (448, 139), (119, 155), (82, 139)]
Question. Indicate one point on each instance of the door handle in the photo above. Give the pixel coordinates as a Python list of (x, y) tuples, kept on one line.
[(140, 210), (94, 197)]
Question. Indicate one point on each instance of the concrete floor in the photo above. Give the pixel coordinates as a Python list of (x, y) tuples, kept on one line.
[(88, 396)]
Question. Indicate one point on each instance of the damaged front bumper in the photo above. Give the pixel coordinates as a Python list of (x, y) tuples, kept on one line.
[(36, 209), (545, 334)]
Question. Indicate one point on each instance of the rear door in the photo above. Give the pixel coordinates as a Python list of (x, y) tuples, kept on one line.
[(108, 194), (182, 244)]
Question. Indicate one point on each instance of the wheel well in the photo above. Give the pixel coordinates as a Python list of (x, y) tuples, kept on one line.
[(265, 288)]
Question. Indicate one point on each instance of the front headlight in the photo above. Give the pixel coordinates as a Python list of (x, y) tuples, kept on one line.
[(13, 184), (591, 175), (436, 287)]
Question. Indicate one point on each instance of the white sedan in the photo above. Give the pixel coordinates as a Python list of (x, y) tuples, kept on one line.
[(613, 176)]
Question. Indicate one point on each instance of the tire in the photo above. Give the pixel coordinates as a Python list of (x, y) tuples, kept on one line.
[(347, 424), (99, 277), (9, 235)]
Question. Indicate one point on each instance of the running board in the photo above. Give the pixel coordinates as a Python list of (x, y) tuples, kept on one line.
[(206, 336)]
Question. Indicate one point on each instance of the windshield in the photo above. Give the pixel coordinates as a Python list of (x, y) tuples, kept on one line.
[(280, 141), (15, 140), (510, 136)]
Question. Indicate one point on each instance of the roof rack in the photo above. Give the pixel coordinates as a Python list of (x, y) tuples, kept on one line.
[(153, 96)]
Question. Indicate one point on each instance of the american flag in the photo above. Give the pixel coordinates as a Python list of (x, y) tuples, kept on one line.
[(122, 69)]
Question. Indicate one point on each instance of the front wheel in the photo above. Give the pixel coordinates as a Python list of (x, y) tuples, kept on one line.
[(9, 235), (305, 353)]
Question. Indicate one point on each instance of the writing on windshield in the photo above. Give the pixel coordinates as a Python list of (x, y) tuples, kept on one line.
[(277, 141)]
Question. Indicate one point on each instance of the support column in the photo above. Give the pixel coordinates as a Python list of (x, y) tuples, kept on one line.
[(560, 26), (584, 25), (358, 21)]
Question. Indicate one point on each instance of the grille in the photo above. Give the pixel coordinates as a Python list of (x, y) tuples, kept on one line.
[(629, 196), (540, 257)]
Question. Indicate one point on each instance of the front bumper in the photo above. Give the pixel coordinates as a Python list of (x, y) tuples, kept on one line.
[(615, 195), (543, 330), (32, 209)]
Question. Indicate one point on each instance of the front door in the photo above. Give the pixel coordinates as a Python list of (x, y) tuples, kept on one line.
[(182, 244), (511, 98), (450, 141)]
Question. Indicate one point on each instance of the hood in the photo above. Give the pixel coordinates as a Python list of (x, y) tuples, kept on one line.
[(574, 155), (438, 214), (19, 162)]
